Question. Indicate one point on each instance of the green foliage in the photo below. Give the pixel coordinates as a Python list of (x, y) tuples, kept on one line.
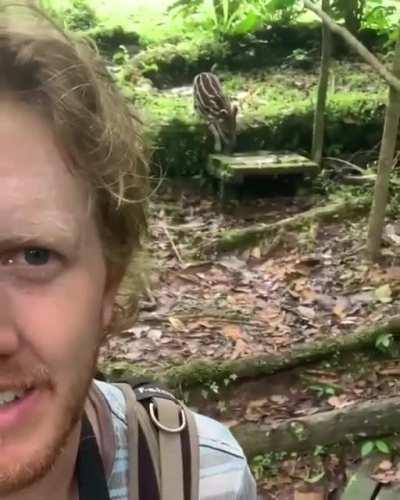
[(183, 20), (367, 448), (371, 445), (268, 464), (382, 446), (320, 451), (80, 16), (323, 390), (351, 11), (277, 116), (382, 16), (384, 342), (236, 16)]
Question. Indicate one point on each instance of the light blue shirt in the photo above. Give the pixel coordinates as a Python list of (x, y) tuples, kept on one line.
[(224, 473)]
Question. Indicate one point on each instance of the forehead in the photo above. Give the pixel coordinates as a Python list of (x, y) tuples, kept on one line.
[(35, 183)]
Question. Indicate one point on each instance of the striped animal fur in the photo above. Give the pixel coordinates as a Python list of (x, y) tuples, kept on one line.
[(211, 103)]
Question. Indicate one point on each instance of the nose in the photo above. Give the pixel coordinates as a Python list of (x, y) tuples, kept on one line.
[(9, 335)]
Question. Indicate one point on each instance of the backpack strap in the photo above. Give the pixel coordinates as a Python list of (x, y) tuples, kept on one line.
[(171, 459), (89, 469), (194, 453), (169, 433), (139, 426)]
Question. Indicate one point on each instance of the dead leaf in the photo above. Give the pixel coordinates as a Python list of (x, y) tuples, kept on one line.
[(309, 260), (189, 277), (391, 234), (279, 399), (325, 301), (240, 349), (177, 324), (232, 263), (246, 254), (385, 465), (390, 371), (269, 313), (306, 312), (384, 294), (340, 308), (393, 273), (386, 473), (154, 335), (339, 401), (311, 495), (138, 330), (309, 294), (233, 332), (256, 409), (256, 252)]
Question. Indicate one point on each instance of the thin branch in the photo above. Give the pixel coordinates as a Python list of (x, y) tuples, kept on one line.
[(356, 45), (345, 162), (176, 251)]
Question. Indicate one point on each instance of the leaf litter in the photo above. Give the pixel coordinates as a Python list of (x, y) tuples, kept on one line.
[(307, 290), (313, 285)]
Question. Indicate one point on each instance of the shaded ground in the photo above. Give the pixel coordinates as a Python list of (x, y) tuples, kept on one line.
[(330, 385), (309, 285)]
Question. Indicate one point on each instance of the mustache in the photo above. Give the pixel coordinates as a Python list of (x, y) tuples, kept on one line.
[(19, 377)]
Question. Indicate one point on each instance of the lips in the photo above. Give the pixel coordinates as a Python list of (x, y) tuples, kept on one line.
[(17, 412)]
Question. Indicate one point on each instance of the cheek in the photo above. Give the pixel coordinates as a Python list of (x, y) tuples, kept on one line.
[(61, 322)]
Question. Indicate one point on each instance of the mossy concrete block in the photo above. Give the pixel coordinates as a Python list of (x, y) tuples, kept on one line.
[(234, 168), (360, 485)]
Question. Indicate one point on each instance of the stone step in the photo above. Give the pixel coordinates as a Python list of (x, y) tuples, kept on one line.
[(234, 168)]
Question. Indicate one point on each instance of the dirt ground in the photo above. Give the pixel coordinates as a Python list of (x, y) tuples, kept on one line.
[(313, 283)]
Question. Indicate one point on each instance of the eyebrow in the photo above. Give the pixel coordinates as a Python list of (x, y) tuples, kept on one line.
[(66, 235)]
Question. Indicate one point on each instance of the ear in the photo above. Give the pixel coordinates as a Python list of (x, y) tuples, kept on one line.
[(113, 281)]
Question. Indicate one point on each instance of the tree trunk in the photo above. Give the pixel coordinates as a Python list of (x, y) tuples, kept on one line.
[(199, 372), (249, 236), (385, 165), (319, 118), (357, 421), (356, 45)]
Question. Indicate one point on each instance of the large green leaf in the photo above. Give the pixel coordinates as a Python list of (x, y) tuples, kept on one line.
[(248, 23)]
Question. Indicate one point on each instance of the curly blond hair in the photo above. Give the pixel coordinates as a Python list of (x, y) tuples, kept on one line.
[(65, 78)]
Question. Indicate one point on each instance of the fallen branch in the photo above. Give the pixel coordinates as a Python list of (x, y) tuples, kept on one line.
[(359, 180), (354, 422), (204, 315), (356, 45), (347, 163), (240, 238), (174, 248), (197, 373)]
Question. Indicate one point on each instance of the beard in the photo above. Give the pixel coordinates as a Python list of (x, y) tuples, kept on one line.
[(35, 466)]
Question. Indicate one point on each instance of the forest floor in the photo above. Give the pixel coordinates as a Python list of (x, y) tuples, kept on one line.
[(315, 283)]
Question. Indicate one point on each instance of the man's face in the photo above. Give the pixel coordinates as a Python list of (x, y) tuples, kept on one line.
[(55, 298)]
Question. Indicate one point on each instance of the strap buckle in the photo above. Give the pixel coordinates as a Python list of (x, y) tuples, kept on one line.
[(163, 427)]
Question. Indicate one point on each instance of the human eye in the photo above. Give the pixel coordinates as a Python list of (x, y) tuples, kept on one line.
[(33, 263)]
